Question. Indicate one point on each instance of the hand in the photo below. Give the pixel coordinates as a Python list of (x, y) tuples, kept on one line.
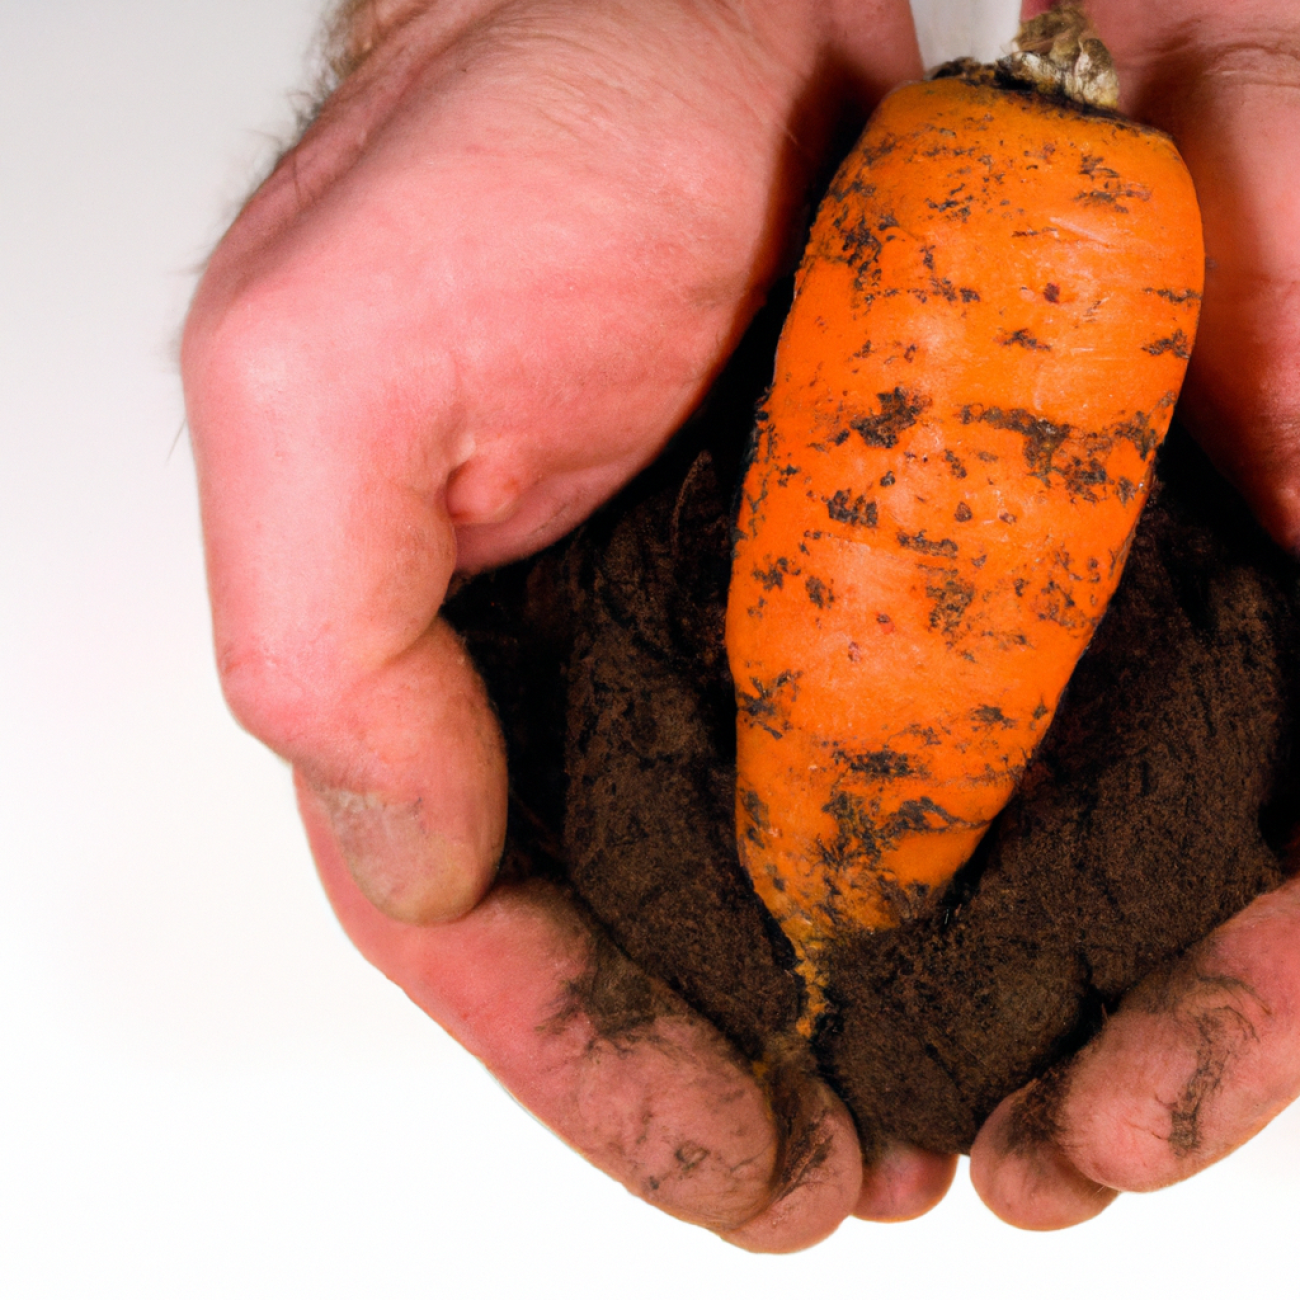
[(1200, 1058), (481, 293)]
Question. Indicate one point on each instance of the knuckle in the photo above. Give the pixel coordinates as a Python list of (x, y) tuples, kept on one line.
[(280, 694), (236, 357)]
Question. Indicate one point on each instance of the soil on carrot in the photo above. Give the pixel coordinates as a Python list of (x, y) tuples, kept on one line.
[(1157, 807)]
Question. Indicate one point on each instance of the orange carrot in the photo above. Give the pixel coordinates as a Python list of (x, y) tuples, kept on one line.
[(990, 328)]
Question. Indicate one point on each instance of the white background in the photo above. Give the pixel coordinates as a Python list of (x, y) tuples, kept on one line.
[(203, 1090)]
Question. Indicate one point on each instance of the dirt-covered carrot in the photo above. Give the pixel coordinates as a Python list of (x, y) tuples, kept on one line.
[(990, 328)]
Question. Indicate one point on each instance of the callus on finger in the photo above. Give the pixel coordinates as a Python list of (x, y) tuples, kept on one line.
[(407, 869)]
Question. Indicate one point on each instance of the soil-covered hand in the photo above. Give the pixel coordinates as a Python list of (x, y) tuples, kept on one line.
[(1198, 1060), (500, 268)]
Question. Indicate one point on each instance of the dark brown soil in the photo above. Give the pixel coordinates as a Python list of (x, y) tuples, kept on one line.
[(1158, 805)]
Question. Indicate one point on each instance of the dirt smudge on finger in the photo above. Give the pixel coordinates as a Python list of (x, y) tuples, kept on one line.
[(1218, 1017), (1034, 1119), (620, 1000)]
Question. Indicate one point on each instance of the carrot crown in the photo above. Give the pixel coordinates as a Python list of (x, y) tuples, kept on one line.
[(1059, 53)]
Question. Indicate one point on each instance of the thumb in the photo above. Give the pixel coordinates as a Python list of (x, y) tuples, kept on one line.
[(329, 550), (422, 832)]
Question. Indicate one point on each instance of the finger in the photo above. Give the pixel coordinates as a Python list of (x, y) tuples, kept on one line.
[(661, 1102), (423, 835), (1022, 1175), (327, 423), (1197, 1060), (904, 1183)]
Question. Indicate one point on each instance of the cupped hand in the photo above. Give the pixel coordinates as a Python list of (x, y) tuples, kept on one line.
[(1202, 1056), (495, 275)]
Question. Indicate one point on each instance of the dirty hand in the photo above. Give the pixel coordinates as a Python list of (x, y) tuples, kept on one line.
[(1200, 1058), (496, 274)]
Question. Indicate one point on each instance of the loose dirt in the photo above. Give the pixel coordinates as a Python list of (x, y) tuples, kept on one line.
[(1159, 804)]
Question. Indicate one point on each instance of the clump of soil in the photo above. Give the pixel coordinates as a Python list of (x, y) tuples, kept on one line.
[(1157, 807)]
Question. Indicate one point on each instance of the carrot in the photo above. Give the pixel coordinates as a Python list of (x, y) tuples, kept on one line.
[(989, 332)]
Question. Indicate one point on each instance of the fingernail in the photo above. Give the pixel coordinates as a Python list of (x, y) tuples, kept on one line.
[(407, 870)]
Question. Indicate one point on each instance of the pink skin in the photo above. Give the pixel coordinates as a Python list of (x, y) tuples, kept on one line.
[(482, 292), (676, 1117)]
